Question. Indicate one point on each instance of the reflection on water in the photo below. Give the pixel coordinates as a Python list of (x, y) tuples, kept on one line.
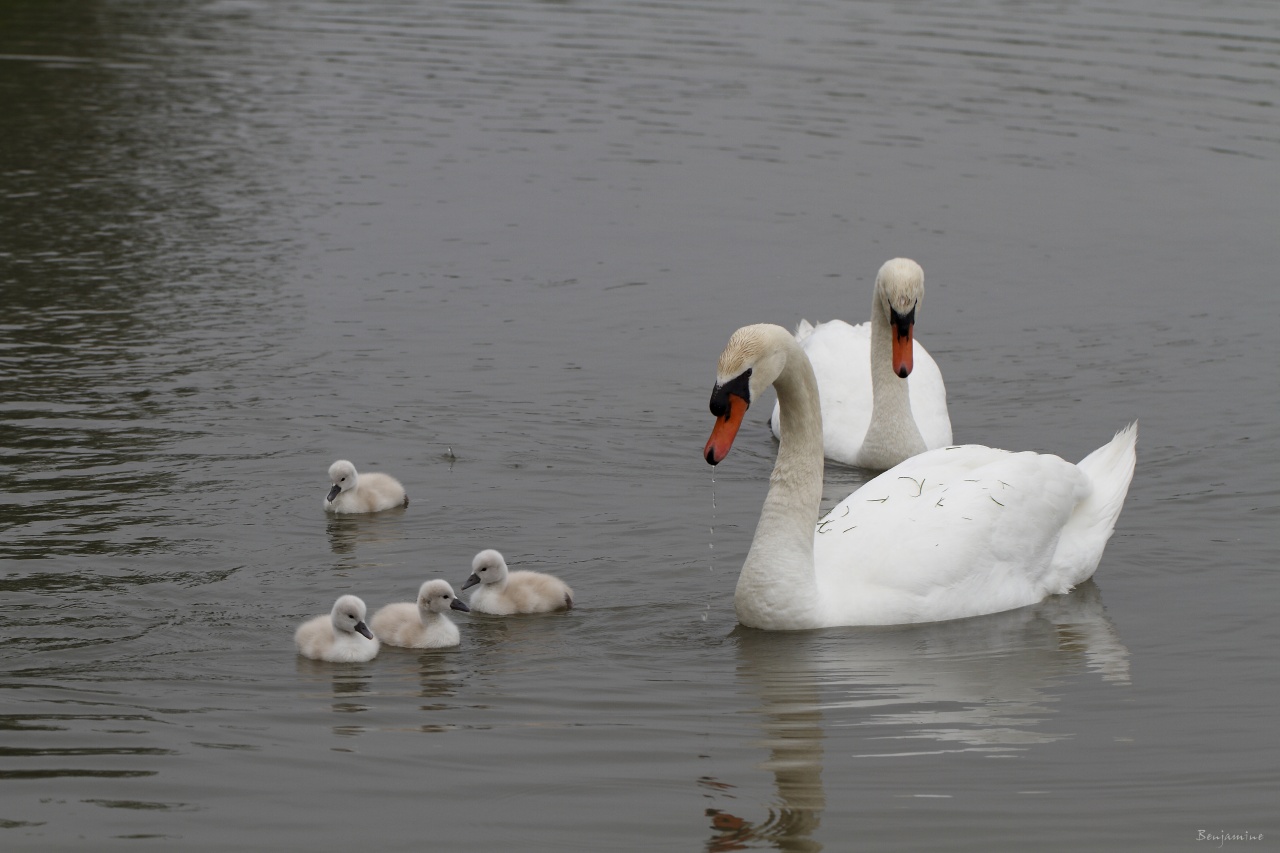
[(39, 758), (984, 684), (347, 532), (131, 256), (347, 684), (431, 675)]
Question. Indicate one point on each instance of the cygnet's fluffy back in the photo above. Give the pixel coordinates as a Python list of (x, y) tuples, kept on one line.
[(353, 492), (421, 624), (340, 637), (503, 592)]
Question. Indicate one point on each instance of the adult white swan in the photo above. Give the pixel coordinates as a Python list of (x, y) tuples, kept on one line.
[(951, 533), (883, 399)]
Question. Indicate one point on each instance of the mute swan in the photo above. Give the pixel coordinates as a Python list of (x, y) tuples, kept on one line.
[(951, 533), (421, 624), (503, 592), (883, 399), (333, 637), (354, 492)]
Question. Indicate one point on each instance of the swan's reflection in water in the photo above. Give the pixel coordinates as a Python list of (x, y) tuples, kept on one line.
[(984, 684)]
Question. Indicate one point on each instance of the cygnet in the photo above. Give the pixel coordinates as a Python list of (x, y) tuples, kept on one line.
[(340, 637), (354, 492), (504, 592), (422, 624)]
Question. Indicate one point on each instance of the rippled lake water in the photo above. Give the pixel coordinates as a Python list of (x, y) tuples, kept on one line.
[(495, 248)]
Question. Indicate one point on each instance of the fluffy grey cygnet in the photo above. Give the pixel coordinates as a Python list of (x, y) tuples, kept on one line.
[(354, 492), (421, 624), (503, 592), (340, 637)]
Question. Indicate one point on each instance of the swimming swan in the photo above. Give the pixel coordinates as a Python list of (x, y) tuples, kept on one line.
[(883, 399), (354, 492), (421, 624), (951, 533), (503, 592), (334, 637)]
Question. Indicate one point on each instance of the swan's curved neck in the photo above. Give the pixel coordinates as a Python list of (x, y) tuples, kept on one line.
[(777, 587), (892, 434)]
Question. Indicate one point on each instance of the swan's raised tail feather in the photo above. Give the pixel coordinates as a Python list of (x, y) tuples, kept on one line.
[(1110, 470)]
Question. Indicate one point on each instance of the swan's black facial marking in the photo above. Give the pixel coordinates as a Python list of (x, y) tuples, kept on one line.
[(364, 629), (902, 323), (739, 386)]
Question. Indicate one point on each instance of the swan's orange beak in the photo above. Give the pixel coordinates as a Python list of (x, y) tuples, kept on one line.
[(902, 347), (725, 430)]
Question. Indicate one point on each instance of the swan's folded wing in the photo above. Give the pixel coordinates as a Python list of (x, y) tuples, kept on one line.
[(947, 536)]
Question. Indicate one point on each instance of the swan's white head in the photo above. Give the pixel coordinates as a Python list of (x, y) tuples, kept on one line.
[(437, 596), (752, 360), (343, 476), (487, 567), (899, 292), (348, 616)]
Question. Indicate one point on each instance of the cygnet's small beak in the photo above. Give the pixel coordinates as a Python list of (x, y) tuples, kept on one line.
[(459, 604), (364, 629), (333, 493), (471, 581)]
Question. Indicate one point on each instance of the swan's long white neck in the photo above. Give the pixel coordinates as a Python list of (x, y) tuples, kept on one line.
[(892, 434), (777, 588)]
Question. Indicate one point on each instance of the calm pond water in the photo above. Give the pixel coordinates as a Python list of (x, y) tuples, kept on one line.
[(495, 248)]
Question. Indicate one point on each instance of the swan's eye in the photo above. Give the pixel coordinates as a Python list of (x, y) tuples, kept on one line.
[(739, 385)]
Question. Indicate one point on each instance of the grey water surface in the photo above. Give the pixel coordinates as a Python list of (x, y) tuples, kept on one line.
[(494, 248)]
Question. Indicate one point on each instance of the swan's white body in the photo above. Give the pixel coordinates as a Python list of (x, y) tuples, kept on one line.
[(354, 492), (340, 637), (420, 624), (503, 592), (871, 416), (951, 533)]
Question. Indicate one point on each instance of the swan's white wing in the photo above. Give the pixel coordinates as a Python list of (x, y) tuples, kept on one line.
[(947, 534)]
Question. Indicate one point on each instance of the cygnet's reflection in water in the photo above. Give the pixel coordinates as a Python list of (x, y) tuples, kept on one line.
[(346, 683), (348, 531), (983, 684)]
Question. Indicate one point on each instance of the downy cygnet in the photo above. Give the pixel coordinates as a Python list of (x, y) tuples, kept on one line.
[(354, 492), (340, 637), (422, 624), (502, 592)]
